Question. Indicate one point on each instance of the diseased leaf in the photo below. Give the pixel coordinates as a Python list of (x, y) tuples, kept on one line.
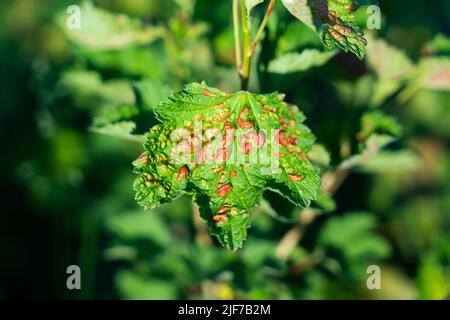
[(333, 20), (298, 62), (224, 149), (103, 30)]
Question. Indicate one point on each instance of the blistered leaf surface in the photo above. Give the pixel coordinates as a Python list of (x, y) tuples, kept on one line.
[(224, 149)]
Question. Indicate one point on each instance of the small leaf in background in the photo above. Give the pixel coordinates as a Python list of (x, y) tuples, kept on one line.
[(378, 122), (250, 4), (152, 92), (350, 239), (432, 279), (319, 155), (325, 202), (432, 73), (137, 225), (94, 94), (116, 114), (134, 286), (102, 30), (121, 130), (391, 161), (370, 148), (333, 20), (440, 45), (226, 188), (391, 65), (388, 62), (298, 62)]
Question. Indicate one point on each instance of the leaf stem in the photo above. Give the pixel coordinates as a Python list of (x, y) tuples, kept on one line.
[(331, 181), (261, 27), (245, 70), (237, 40)]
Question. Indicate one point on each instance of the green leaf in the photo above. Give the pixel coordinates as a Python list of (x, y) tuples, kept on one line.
[(325, 202), (391, 161), (392, 67), (440, 45), (135, 286), (250, 4), (378, 122), (116, 114), (319, 155), (103, 30), (135, 225), (370, 148), (298, 62), (152, 92), (224, 150), (350, 238), (333, 21), (91, 92), (122, 130), (388, 62), (432, 73)]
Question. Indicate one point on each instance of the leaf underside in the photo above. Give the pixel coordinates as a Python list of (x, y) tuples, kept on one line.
[(224, 150), (333, 20)]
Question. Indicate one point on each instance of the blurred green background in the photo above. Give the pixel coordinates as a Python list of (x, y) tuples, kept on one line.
[(66, 191)]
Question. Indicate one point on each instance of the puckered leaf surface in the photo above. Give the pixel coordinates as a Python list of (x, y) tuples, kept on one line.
[(333, 20), (224, 149)]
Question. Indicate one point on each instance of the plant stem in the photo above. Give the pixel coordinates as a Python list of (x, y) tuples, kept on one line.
[(237, 40), (331, 181), (202, 236), (245, 70), (261, 27)]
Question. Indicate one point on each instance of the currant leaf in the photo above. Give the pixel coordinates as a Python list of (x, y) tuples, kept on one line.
[(224, 150), (333, 20)]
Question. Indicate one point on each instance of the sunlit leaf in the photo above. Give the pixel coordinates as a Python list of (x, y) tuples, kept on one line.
[(214, 165), (333, 20), (100, 29), (298, 62)]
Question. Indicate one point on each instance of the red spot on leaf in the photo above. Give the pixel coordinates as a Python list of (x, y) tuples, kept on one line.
[(233, 173), (182, 173), (220, 217), (244, 124), (223, 190), (296, 177), (247, 147), (282, 138), (293, 141)]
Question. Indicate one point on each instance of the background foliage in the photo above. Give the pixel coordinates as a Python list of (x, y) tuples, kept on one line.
[(74, 110)]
